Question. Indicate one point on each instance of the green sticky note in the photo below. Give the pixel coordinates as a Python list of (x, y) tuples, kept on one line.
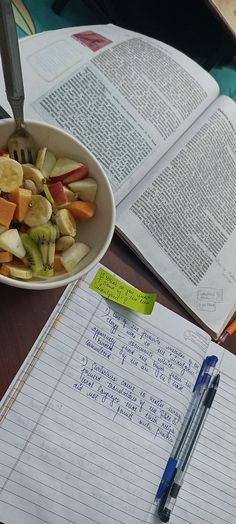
[(114, 289)]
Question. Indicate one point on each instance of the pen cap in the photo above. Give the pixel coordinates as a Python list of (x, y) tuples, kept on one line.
[(231, 328)]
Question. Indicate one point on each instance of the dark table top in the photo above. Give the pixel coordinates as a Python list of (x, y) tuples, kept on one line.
[(23, 313)]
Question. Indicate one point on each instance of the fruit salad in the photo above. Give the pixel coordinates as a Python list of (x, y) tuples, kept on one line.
[(41, 206)]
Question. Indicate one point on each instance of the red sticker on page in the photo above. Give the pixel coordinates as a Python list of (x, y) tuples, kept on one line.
[(92, 40)]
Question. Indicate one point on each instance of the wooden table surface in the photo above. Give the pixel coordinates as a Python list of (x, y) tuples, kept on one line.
[(23, 313)]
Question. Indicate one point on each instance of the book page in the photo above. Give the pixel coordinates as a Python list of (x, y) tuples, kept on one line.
[(86, 429), (127, 97), (181, 219)]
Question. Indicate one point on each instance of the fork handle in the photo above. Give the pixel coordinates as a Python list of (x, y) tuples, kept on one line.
[(11, 63)]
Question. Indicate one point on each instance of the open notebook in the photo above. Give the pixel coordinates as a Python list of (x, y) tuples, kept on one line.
[(87, 426)]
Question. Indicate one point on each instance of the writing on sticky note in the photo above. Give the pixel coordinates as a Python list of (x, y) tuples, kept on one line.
[(105, 284)]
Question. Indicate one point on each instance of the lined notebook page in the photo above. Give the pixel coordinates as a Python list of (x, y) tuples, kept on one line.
[(85, 434), (208, 493)]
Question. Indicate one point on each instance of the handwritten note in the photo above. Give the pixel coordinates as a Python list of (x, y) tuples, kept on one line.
[(128, 348), (91, 427), (114, 289)]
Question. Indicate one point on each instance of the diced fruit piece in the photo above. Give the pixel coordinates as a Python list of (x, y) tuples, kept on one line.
[(64, 166), (48, 165), (4, 153), (48, 195), (45, 237), (11, 174), (17, 271), (70, 195), (40, 158), (46, 272), (82, 210), (72, 256), (31, 173), (57, 191), (64, 242), (39, 212), (32, 253), (41, 235), (5, 256), (65, 222), (45, 161), (25, 261), (4, 270), (76, 174), (10, 241), (22, 198), (31, 186), (86, 188), (7, 210), (57, 263)]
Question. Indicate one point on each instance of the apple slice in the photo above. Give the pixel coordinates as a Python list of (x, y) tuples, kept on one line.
[(72, 256), (47, 164), (64, 165), (86, 189), (77, 174), (66, 170), (70, 195), (58, 194), (4, 153), (10, 241)]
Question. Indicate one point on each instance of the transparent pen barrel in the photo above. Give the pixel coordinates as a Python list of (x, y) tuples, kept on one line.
[(186, 426)]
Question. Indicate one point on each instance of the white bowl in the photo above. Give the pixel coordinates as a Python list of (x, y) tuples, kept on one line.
[(98, 231)]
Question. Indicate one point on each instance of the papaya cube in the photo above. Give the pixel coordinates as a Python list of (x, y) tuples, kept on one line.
[(21, 197), (7, 210)]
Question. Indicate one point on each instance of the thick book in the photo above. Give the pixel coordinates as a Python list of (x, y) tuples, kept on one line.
[(88, 424), (167, 141)]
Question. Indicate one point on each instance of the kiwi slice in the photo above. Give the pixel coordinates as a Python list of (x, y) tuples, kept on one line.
[(45, 236), (32, 253)]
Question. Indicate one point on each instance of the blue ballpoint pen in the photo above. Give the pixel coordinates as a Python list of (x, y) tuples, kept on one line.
[(168, 501), (200, 386)]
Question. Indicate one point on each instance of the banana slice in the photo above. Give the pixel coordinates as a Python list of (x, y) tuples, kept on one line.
[(31, 173), (17, 271), (29, 184), (39, 211), (11, 174), (65, 222), (64, 242)]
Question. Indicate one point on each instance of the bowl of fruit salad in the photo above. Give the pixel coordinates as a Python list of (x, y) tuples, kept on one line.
[(57, 216)]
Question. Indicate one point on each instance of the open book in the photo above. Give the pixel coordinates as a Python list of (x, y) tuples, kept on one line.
[(88, 424), (167, 140)]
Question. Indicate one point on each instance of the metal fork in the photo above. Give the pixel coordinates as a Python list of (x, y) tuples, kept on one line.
[(21, 145)]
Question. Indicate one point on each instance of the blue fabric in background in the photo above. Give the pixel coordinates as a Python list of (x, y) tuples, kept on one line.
[(43, 17)]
